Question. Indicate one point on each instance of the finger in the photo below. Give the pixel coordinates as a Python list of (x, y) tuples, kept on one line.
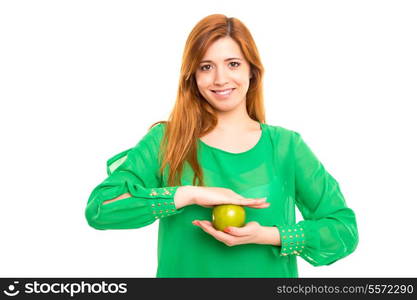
[(246, 230), (239, 231), (236, 231), (208, 227), (259, 204), (262, 205), (201, 223), (251, 201), (207, 224), (224, 237)]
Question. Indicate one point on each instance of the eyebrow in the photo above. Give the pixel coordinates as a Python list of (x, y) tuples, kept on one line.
[(227, 59)]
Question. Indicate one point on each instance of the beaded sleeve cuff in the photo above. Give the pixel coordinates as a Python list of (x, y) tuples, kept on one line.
[(292, 239), (162, 202)]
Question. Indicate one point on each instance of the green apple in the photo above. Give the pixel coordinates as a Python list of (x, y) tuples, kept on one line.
[(228, 215)]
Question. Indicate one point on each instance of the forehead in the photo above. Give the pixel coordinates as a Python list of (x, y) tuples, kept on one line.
[(223, 48)]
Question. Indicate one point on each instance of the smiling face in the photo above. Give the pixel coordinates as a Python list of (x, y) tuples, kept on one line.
[(223, 76)]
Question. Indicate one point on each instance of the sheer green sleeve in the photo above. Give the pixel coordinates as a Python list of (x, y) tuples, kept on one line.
[(328, 231), (133, 171)]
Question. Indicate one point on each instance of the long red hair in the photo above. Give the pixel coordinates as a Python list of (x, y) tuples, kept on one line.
[(192, 116)]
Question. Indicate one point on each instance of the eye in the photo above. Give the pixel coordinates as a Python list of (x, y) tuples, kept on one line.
[(203, 68), (235, 64)]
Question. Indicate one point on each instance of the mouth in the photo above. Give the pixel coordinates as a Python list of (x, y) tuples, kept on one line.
[(225, 92)]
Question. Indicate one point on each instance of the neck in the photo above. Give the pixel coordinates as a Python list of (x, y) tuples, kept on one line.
[(232, 121)]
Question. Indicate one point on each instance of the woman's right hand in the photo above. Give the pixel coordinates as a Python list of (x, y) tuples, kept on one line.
[(211, 196)]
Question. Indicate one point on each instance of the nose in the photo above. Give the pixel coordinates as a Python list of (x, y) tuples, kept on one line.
[(220, 77)]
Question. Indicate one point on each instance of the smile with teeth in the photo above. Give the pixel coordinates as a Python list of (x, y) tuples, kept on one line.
[(223, 92)]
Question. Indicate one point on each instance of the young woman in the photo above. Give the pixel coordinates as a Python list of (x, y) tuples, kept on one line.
[(217, 149)]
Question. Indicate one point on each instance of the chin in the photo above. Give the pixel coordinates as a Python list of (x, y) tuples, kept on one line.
[(225, 107)]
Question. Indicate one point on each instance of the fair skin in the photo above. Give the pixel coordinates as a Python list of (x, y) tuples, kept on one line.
[(251, 233), (222, 68)]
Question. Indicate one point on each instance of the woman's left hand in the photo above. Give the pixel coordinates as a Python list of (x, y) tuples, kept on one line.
[(251, 233)]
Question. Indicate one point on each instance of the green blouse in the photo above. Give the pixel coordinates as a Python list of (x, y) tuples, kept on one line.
[(280, 167)]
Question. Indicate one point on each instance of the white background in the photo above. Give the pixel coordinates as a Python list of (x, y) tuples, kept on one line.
[(81, 81)]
